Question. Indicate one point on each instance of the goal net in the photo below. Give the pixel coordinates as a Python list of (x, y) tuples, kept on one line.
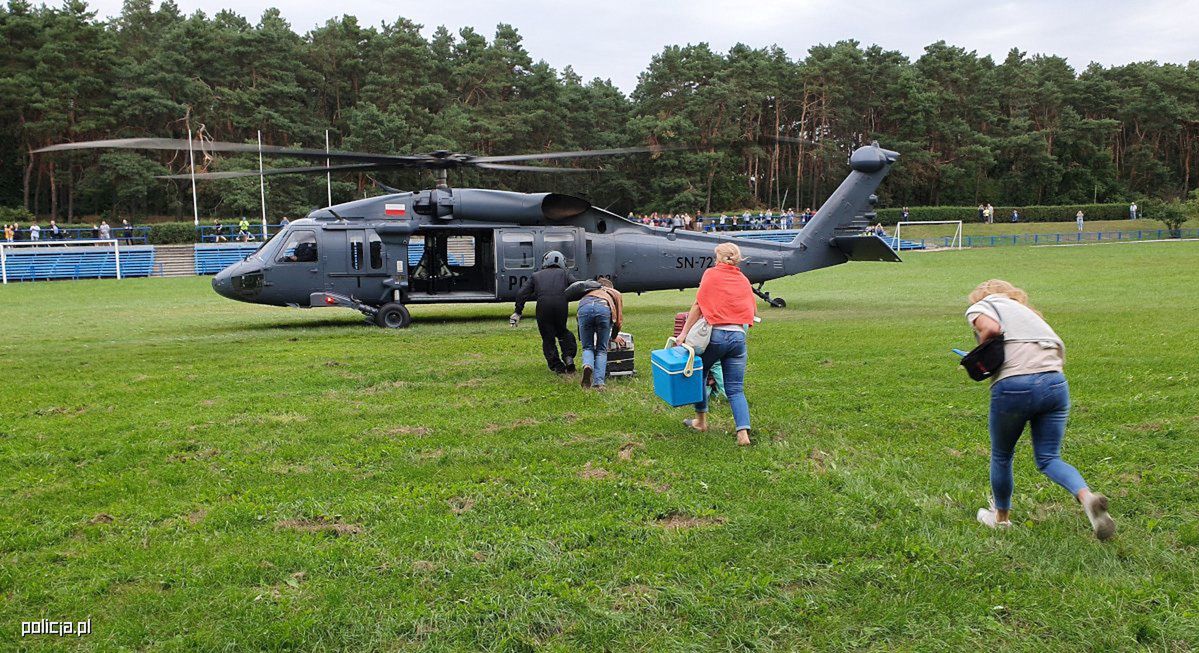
[(48, 245), (953, 242)]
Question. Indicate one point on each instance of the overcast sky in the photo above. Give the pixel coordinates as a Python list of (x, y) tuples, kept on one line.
[(615, 39)]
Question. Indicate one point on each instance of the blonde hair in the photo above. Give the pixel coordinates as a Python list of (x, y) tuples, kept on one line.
[(999, 287), (728, 253)]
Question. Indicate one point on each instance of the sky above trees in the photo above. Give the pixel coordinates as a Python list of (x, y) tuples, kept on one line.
[(615, 39)]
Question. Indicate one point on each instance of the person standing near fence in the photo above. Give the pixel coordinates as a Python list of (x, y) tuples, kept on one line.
[(105, 230), (55, 232), (1029, 388), (127, 231), (1132, 211), (8, 232), (1078, 218)]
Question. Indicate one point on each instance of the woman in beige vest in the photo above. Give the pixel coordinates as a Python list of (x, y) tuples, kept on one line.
[(1028, 389)]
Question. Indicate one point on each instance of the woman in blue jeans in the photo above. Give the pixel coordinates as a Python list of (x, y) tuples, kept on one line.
[(600, 314), (726, 301), (1029, 388)]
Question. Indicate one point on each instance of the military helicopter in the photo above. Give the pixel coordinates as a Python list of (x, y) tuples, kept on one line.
[(381, 254)]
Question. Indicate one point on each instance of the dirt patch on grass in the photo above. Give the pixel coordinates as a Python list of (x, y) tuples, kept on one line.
[(432, 454), (1152, 426), (320, 524), (334, 364), (424, 567), (205, 454), (459, 505), (676, 521), (820, 460), (660, 488), (102, 518), (953, 452), (408, 431), (627, 449), (590, 472), (520, 423), (196, 516)]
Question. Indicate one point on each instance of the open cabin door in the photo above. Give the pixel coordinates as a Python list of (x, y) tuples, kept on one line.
[(451, 265)]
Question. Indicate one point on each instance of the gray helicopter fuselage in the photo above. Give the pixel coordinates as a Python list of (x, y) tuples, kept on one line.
[(473, 245)]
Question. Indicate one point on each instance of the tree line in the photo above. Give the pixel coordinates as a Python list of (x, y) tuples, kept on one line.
[(1022, 131)]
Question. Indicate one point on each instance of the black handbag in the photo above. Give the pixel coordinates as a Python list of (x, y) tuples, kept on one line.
[(985, 360)]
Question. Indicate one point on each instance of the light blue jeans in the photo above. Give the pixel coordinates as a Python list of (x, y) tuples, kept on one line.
[(1042, 400), (728, 347), (595, 330)]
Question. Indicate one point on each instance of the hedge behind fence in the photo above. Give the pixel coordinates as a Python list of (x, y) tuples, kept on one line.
[(1004, 213)]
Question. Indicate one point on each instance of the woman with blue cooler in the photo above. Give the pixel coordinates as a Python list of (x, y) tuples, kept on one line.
[(601, 313), (1028, 388), (726, 302)]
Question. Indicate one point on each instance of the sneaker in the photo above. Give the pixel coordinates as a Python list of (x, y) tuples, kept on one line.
[(570, 364), (1101, 522), (586, 380), (986, 517), (600, 388)]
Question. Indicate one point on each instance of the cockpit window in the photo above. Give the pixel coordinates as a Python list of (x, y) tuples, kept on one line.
[(376, 245), (266, 247), (299, 248)]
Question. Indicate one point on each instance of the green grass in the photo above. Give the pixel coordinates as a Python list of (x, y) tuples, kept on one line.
[(283, 479)]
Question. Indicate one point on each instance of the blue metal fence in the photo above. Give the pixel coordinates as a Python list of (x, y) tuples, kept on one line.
[(38, 263)]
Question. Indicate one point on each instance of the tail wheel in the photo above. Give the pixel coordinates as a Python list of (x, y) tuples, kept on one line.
[(778, 302), (393, 316)]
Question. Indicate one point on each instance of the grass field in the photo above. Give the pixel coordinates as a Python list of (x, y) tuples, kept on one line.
[(192, 473)]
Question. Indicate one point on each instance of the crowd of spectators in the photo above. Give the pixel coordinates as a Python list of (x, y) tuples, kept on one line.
[(744, 221), (53, 233)]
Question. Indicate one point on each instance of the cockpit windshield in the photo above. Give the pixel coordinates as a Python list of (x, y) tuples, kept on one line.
[(263, 252)]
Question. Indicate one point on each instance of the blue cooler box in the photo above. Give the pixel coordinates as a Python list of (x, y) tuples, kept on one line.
[(669, 382)]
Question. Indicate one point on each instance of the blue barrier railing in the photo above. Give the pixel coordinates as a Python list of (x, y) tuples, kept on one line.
[(134, 235), (1065, 238), (78, 262)]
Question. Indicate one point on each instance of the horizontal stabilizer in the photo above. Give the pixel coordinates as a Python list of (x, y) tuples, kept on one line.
[(865, 248)]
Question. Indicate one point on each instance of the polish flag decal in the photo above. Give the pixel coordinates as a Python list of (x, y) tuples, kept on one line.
[(395, 209)]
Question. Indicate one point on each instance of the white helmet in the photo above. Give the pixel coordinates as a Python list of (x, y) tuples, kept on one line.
[(553, 258)]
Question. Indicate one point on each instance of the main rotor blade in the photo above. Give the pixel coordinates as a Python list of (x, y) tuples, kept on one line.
[(235, 174), (579, 154), (791, 139), (505, 166), (221, 146)]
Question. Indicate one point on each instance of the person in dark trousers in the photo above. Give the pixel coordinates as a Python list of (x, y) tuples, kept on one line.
[(547, 287)]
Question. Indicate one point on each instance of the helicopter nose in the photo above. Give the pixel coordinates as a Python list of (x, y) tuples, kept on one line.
[(222, 283)]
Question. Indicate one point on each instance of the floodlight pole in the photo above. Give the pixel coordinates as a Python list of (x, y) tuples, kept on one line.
[(328, 175), (261, 184), (191, 157)]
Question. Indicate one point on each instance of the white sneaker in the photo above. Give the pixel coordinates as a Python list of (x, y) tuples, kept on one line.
[(1101, 523), (986, 517)]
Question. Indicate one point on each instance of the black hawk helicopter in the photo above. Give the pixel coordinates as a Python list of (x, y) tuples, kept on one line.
[(380, 254)]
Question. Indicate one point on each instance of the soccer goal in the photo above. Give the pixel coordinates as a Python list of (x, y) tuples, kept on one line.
[(954, 243), (6, 247)]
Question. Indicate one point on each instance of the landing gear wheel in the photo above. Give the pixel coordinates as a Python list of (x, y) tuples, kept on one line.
[(393, 316), (778, 302)]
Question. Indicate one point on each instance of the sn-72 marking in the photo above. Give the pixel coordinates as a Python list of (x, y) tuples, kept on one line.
[(690, 262)]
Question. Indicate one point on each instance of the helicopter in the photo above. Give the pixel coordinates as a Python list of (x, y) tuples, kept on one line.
[(382, 254)]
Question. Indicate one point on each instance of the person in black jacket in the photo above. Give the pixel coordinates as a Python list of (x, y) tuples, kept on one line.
[(547, 287)]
